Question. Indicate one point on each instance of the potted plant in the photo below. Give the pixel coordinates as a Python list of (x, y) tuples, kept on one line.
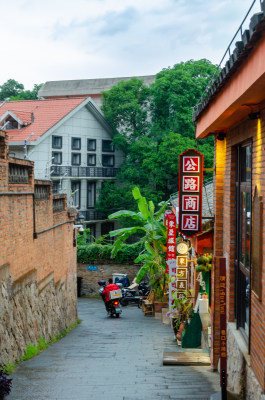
[(181, 308), (5, 383)]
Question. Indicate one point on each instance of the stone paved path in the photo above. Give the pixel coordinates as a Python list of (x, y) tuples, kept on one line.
[(111, 359)]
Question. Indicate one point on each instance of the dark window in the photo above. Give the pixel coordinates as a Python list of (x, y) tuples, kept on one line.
[(76, 143), (106, 227), (108, 160), (91, 159), (243, 247), (76, 158), (57, 157), (92, 233), (55, 187), (76, 193), (91, 194), (91, 144), (107, 146), (57, 142)]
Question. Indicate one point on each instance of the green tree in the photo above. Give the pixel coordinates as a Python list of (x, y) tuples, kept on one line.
[(10, 88), (175, 91), (15, 91), (126, 108), (28, 94), (153, 126)]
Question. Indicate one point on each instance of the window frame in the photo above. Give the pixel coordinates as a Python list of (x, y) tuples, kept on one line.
[(110, 149), (91, 183), (108, 165), (54, 137), (78, 194), (54, 153), (243, 271), (72, 159), (91, 155), (94, 141), (72, 143)]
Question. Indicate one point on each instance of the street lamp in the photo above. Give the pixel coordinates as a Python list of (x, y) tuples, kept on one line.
[(78, 225)]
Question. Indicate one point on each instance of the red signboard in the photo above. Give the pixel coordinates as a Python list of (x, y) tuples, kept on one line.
[(190, 192), (171, 224)]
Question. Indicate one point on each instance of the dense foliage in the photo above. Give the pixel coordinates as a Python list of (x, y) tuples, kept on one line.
[(153, 126), (15, 91), (102, 252)]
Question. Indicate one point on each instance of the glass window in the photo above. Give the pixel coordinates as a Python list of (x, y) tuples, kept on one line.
[(107, 146), (55, 187), (91, 144), (57, 142), (76, 193), (76, 159), (243, 245), (91, 194), (76, 143), (91, 159), (92, 233), (108, 160), (57, 157)]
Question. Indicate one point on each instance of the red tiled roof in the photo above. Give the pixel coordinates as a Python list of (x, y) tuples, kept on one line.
[(46, 114)]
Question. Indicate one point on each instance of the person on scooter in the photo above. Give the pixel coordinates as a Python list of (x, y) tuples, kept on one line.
[(108, 288)]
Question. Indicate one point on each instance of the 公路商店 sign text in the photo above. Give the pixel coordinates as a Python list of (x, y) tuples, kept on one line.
[(190, 192)]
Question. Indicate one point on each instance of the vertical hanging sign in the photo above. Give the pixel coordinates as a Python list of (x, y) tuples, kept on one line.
[(223, 330), (190, 192), (171, 224)]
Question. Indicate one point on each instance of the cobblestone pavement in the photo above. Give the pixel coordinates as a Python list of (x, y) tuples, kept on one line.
[(111, 359)]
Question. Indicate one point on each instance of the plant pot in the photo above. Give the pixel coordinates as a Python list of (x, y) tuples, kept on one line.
[(179, 332)]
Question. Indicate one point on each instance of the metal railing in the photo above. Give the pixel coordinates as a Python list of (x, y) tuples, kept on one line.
[(58, 205), (42, 192), (85, 172), (93, 215), (237, 38)]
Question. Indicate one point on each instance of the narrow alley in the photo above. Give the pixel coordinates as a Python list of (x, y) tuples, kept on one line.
[(113, 359)]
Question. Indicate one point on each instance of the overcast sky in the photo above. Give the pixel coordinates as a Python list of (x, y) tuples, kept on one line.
[(83, 39)]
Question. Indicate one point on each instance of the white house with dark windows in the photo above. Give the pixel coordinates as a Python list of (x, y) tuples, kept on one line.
[(70, 143)]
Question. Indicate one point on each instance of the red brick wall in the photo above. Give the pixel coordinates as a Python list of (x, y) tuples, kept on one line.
[(51, 251), (224, 239)]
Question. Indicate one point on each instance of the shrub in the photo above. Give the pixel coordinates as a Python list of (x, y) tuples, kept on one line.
[(102, 252)]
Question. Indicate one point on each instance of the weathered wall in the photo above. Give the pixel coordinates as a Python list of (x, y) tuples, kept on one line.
[(30, 310), (104, 272)]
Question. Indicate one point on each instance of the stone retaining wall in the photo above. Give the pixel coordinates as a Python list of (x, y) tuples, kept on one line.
[(241, 378), (29, 310), (104, 272)]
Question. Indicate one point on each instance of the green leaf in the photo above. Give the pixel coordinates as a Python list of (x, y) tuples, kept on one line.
[(136, 193), (143, 208), (122, 231)]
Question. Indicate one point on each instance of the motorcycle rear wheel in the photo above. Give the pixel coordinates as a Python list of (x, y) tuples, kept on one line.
[(124, 302)]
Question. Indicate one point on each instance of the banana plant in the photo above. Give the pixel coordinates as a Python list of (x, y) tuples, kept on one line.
[(150, 222)]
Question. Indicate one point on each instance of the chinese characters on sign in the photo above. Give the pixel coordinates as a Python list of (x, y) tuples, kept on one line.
[(181, 282), (223, 336), (190, 192), (171, 224)]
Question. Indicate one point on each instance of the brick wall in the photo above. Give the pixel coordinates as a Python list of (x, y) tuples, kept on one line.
[(36, 250), (103, 272), (224, 239)]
